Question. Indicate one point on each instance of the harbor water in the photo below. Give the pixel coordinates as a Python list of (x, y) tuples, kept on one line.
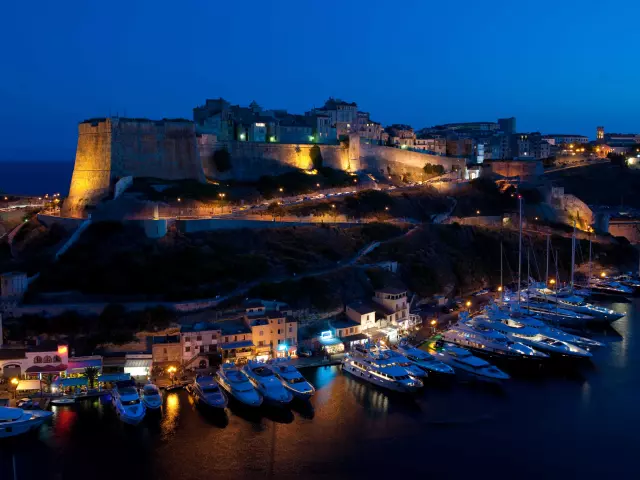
[(564, 423)]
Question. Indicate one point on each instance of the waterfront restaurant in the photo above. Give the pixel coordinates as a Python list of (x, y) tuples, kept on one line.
[(78, 365)]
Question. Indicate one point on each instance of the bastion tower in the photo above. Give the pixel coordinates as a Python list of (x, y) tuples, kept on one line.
[(113, 148)]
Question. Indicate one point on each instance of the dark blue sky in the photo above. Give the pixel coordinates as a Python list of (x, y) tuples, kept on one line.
[(560, 66)]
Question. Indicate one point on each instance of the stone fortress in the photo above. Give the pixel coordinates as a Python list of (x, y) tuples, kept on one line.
[(259, 143)]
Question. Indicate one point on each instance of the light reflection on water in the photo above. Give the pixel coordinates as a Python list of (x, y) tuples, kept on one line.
[(170, 415)]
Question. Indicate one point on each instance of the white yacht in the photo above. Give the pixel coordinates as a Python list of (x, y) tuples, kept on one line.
[(548, 313), (207, 392), (528, 335), (126, 400), (151, 397), (568, 300), (495, 312), (488, 342), (610, 288), (463, 361), (379, 369), (236, 384), (268, 385), (425, 360), (401, 360), (15, 421), (292, 379)]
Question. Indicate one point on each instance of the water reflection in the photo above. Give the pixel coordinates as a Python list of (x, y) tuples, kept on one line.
[(170, 415)]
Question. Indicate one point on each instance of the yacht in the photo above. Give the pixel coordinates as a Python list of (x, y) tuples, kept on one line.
[(568, 300), (268, 385), (496, 313), (207, 392), (236, 384), (464, 361), (629, 280), (292, 379), (15, 421), (517, 331), (401, 360), (424, 360), (609, 288), (126, 400), (548, 313), (379, 369), (151, 397), (488, 342)]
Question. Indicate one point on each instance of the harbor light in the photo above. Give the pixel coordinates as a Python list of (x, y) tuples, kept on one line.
[(14, 381), (281, 189), (603, 275), (179, 199), (318, 185), (434, 322), (468, 304), (242, 136), (552, 281), (272, 138), (172, 370), (477, 212), (311, 138), (500, 288), (333, 205)]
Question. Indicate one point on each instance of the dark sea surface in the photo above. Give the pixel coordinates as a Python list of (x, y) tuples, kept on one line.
[(578, 422), (35, 178)]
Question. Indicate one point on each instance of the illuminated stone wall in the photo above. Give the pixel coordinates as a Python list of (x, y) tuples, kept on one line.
[(113, 148)]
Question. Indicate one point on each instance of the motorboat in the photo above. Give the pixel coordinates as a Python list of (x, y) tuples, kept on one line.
[(292, 379), (517, 331), (569, 300), (401, 360), (464, 361), (207, 392), (630, 281), (63, 400), (236, 384), (379, 369), (16, 421), (496, 313), (548, 313), (151, 397), (424, 360), (488, 342), (126, 401), (600, 286), (268, 385)]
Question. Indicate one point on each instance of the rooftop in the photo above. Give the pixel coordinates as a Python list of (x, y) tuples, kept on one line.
[(242, 344), (199, 327), (354, 337), (233, 327), (343, 323), (362, 307), (391, 290), (12, 353)]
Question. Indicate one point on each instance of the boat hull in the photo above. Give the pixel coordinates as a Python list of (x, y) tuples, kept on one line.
[(14, 429)]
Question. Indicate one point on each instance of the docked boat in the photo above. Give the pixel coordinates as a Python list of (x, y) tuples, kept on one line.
[(63, 400), (555, 315), (268, 385), (609, 288), (629, 280), (15, 421), (494, 311), (425, 360), (126, 401), (379, 369), (236, 384), (465, 362), (207, 392), (151, 397), (401, 360), (488, 342), (568, 300), (292, 379), (517, 331)]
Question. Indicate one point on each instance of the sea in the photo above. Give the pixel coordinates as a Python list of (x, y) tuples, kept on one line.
[(35, 178), (578, 421)]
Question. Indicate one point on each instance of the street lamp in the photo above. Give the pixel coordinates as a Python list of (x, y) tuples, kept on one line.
[(318, 185), (281, 189), (468, 304), (179, 199), (603, 275), (500, 288), (477, 212)]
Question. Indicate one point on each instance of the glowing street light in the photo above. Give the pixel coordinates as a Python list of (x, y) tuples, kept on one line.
[(500, 288), (272, 138), (281, 189), (386, 208), (14, 381), (242, 136), (333, 205), (477, 212), (603, 275), (179, 199), (468, 304), (318, 185), (434, 322)]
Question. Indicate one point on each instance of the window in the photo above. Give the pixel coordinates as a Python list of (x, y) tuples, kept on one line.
[(187, 349), (279, 341), (279, 321), (261, 333), (56, 358), (37, 359), (351, 330), (290, 329), (226, 339), (235, 338), (187, 339), (261, 343), (199, 338), (278, 331), (164, 350), (47, 359), (201, 348)]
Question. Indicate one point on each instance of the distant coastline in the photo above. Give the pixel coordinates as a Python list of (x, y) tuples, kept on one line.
[(35, 178)]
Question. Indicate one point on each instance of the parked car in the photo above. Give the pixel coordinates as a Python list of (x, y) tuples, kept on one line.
[(304, 352)]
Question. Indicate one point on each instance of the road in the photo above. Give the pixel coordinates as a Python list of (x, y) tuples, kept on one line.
[(577, 165)]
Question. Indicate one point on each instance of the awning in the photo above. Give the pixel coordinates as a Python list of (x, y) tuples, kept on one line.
[(47, 368), (114, 377), (245, 344), (82, 364), (138, 363), (29, 385), (354, 338), (72, 382)]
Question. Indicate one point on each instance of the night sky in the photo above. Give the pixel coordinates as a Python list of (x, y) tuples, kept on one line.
[(561, 66)]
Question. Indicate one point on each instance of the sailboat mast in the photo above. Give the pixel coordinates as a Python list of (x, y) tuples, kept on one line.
[(546, 280), (501, 282), (573, 253), (520, 249), (589, 281)]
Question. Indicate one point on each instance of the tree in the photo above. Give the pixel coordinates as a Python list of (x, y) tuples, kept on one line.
[(276, 210), (316, 157), (92, 374), (430, 169), (222, 160)]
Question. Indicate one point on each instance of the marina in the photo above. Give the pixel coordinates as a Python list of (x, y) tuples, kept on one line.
[(348, 418)]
